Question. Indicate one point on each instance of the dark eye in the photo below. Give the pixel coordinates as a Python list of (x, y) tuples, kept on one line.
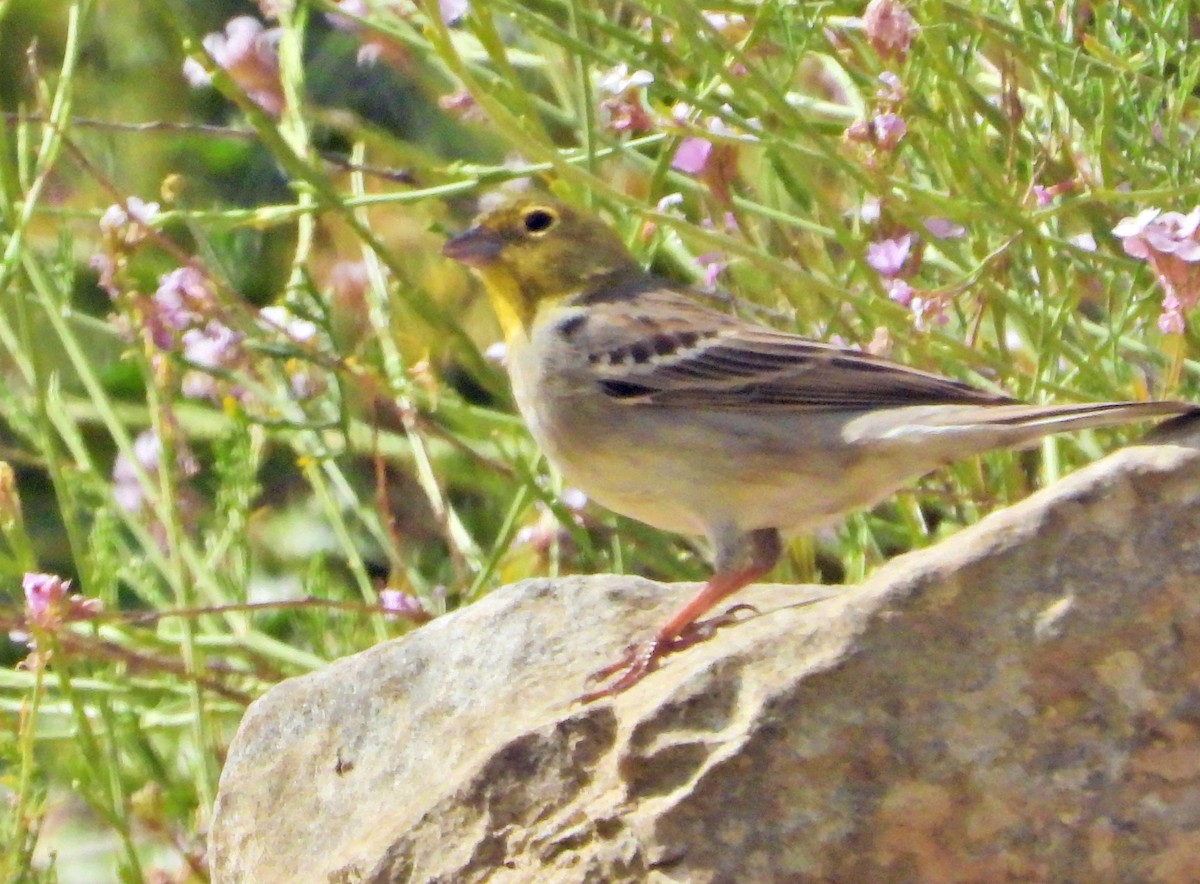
[(539, 220)]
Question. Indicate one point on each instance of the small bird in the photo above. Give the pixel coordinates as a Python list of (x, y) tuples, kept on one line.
[(697, 422)]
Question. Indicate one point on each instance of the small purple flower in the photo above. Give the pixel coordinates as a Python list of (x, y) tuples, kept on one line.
[(280, 318), (889, 129), (48, 605), (926, 309), (892, 90), (944, 228), (147, 453), (714, 264), (692, 156), (624, 109), (184, 298), (1172, 322), (43, 594), (886, 257), (215, 345), (461, 104), (900, 291), (396, 603)]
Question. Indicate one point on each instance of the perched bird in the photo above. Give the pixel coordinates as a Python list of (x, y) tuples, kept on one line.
[(697, 422)]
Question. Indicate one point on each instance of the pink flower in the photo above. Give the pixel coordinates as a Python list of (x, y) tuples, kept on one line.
[(129, 221), (396, 603), (43, 593), (184, 297), (892, 90), (212, 347), (714, 264), (944, 228), (147, 453), (889, 128), (249, 53), (1170, 244), (1172, 322), (47, 603), (215, 345), (278, 318), (692, 156), (900, 291), (1046, 194), (884, 131), (890, 28), (886, 257), (926, 309), (462, 105), (625, 110)]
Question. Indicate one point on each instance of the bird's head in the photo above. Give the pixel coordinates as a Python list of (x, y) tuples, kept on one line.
[(534, 250)]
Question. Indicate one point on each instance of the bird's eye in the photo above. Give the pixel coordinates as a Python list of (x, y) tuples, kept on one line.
[(539, 220)]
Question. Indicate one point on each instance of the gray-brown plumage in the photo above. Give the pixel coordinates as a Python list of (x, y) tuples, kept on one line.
[(698, 422)]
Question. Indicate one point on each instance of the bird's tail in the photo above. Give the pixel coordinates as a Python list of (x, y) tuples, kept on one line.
[(1046, 419), (953, 431)]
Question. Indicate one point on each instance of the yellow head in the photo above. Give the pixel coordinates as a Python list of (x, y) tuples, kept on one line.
[(536, 249)]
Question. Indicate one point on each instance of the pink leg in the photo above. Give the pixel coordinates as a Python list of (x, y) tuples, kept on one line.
[(681, 630)]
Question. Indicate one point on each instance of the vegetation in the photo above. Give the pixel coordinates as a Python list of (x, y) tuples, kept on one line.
[(255, 420)]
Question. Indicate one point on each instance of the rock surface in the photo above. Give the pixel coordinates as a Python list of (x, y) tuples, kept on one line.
[(1019, 703)]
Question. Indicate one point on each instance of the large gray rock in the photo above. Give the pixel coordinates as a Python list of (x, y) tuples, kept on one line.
[(1019, 703)]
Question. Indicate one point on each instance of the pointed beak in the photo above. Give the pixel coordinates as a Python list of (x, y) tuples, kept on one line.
[(474, 247)]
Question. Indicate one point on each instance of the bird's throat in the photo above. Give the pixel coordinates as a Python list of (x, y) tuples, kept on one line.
[(513, 309)]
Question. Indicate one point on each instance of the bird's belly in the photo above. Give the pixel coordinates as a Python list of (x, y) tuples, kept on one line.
[(692, 473)]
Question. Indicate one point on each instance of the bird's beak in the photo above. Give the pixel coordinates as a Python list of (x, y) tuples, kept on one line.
[(474, 247)]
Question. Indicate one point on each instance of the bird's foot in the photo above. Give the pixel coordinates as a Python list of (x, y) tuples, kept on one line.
[(641, 658)]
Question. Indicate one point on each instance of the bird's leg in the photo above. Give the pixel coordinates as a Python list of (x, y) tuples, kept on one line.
[(739, 562)]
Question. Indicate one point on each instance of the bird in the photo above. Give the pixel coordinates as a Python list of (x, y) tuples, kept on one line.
[(672, 411)]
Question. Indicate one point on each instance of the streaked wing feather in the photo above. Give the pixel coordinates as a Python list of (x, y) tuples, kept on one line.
[(673, 351)]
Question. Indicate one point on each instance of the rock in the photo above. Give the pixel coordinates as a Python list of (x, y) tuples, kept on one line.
[(1020, 703)]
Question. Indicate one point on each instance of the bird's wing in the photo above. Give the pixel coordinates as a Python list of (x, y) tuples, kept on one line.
[(664, 348)]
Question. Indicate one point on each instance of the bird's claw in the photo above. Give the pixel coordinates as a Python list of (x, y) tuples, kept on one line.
[(641, 658)]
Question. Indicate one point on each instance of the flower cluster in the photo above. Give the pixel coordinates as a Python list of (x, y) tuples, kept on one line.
[(1170, 243), (547, 531), (123, 227), (48, 606), (399, 604), (376, 44), (249, 53), (897, 258), (883, 132), (182, 316), (277, 321), (890, 29), (128, 491), (624, 110)]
